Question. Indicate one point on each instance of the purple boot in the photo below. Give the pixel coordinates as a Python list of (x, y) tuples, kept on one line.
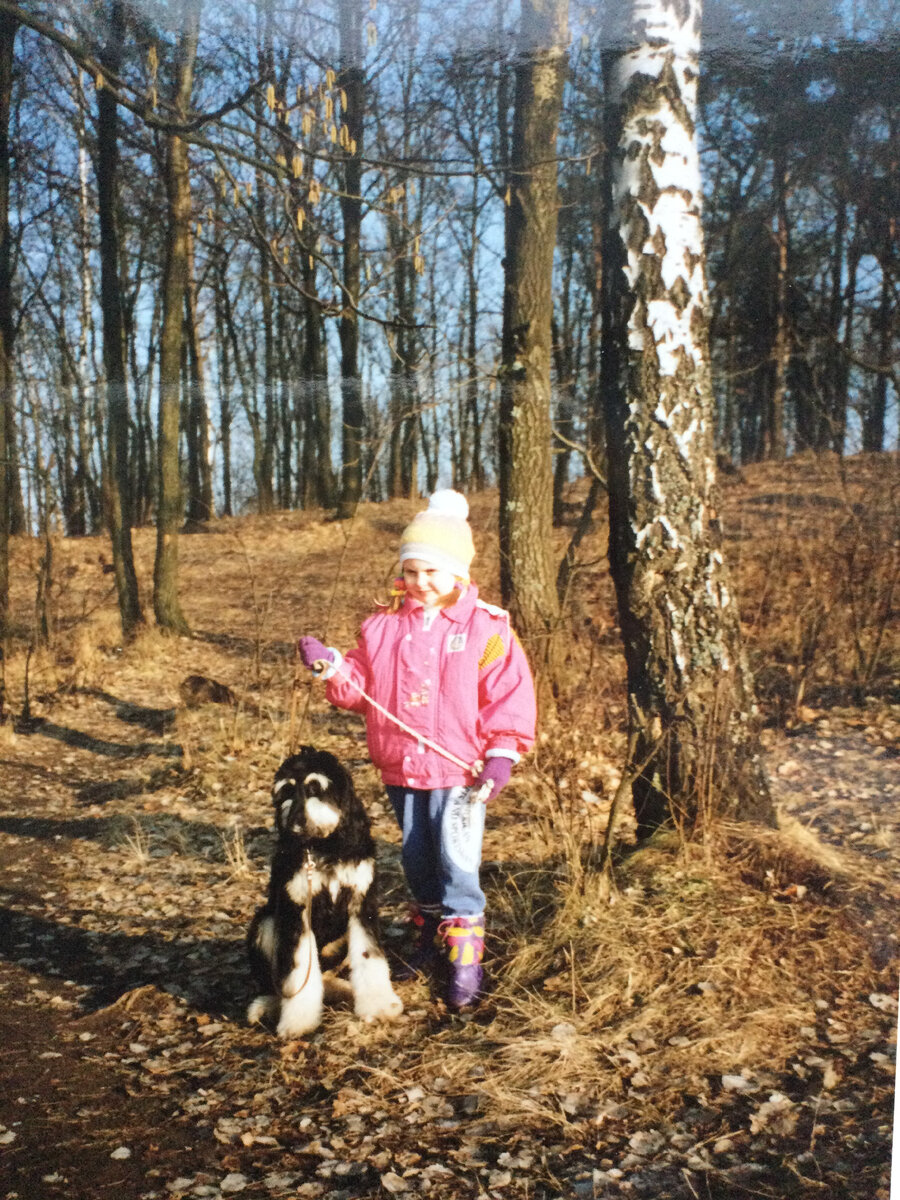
[(425, 947), (464, 939)]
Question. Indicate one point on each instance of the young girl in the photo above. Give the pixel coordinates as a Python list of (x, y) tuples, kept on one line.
[(450, 668)]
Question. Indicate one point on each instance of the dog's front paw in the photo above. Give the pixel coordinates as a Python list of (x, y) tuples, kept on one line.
[(263, 1008), (300, 1014), (383, 1005)]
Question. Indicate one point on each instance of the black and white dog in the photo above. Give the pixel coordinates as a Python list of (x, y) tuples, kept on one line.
[(322, 903)]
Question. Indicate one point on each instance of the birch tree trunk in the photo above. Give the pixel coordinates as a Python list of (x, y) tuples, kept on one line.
[(166, 602), (527, 577), (690, 695)]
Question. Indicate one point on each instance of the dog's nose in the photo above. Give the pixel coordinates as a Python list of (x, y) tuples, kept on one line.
[(293, 813)]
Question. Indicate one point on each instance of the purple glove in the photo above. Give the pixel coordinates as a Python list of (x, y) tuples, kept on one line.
[(496, 772), (313, 651)]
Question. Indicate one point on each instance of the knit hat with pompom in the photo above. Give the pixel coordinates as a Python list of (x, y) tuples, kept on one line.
[(440, 536)]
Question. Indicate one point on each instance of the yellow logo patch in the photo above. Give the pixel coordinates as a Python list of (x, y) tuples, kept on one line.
[(492, 651)]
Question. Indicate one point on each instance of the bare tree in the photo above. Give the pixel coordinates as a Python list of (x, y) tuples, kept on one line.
[(200, 506), (690, 696), (175, 277), (352, 82), (119, 493), (8, 27), (527, 576)]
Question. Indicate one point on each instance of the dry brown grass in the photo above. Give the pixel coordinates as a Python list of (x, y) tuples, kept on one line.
[(647, 993)]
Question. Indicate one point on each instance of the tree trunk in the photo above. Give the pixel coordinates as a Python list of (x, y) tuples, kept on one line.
[(265, 499), (286, 356), (773, 439), (875, 412), (527, 577), (78, 524), (835, 398), (200, 507), (220, 285), (470, 425), (689, 692), (564, 359), (352, 80), (8, 27), (119, 495), (166, 602), (142, 388), (404, 348), (319, 400)]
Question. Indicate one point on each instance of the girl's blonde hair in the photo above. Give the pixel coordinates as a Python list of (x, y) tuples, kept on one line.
[(397, 593)]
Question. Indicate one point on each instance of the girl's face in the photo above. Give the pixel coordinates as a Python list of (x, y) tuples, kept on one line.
[(426, 583)]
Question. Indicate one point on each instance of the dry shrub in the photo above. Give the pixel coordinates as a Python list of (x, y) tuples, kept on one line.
[(817, 561), (85, 656), (151, 652)]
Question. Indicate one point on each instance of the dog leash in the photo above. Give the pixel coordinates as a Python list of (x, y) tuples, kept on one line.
[(310, 867), (482, 795)]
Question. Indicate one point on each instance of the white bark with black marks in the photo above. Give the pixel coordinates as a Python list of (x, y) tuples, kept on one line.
[(690, 695)]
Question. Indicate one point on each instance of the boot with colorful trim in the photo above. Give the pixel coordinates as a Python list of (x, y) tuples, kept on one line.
[(464, 939), (426, 946)]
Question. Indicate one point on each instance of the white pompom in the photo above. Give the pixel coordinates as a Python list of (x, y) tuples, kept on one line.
[(449, 504)]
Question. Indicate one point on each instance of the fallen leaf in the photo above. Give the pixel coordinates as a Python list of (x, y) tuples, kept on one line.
[(883, 1002), (777, 1116)]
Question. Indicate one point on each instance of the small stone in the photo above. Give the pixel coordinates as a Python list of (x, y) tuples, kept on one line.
[(647, 1142), (738, 1083), (563, 1031)]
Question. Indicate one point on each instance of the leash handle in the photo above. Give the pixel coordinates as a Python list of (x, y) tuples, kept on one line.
[(482, 794)]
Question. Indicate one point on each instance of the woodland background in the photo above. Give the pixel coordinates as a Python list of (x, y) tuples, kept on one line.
[(799, 127)]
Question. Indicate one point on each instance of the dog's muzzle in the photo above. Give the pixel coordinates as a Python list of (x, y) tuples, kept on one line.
[(307, 812)]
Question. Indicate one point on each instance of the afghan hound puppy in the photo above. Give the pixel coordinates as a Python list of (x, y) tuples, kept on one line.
[(322, 904)]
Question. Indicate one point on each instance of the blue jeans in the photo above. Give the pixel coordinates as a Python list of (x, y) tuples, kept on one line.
[(442, 835)]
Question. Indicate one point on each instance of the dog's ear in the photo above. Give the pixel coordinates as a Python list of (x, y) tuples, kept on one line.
[(284, 793), (343, 780)]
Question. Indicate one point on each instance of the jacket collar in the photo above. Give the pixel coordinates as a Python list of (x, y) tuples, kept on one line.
[(458, 612)]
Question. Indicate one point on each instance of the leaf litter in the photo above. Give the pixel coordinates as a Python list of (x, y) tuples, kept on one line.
[(713, 1019)]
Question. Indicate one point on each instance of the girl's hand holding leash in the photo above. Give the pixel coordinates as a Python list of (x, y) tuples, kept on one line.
[(494, 776), (314, 653)]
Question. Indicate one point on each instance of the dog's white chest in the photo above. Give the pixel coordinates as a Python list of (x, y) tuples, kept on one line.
[(357, 877)]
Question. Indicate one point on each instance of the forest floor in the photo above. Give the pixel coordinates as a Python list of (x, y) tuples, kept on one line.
[(714, 1018)]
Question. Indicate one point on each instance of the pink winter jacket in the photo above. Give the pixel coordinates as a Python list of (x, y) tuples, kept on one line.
[(464, 683)]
